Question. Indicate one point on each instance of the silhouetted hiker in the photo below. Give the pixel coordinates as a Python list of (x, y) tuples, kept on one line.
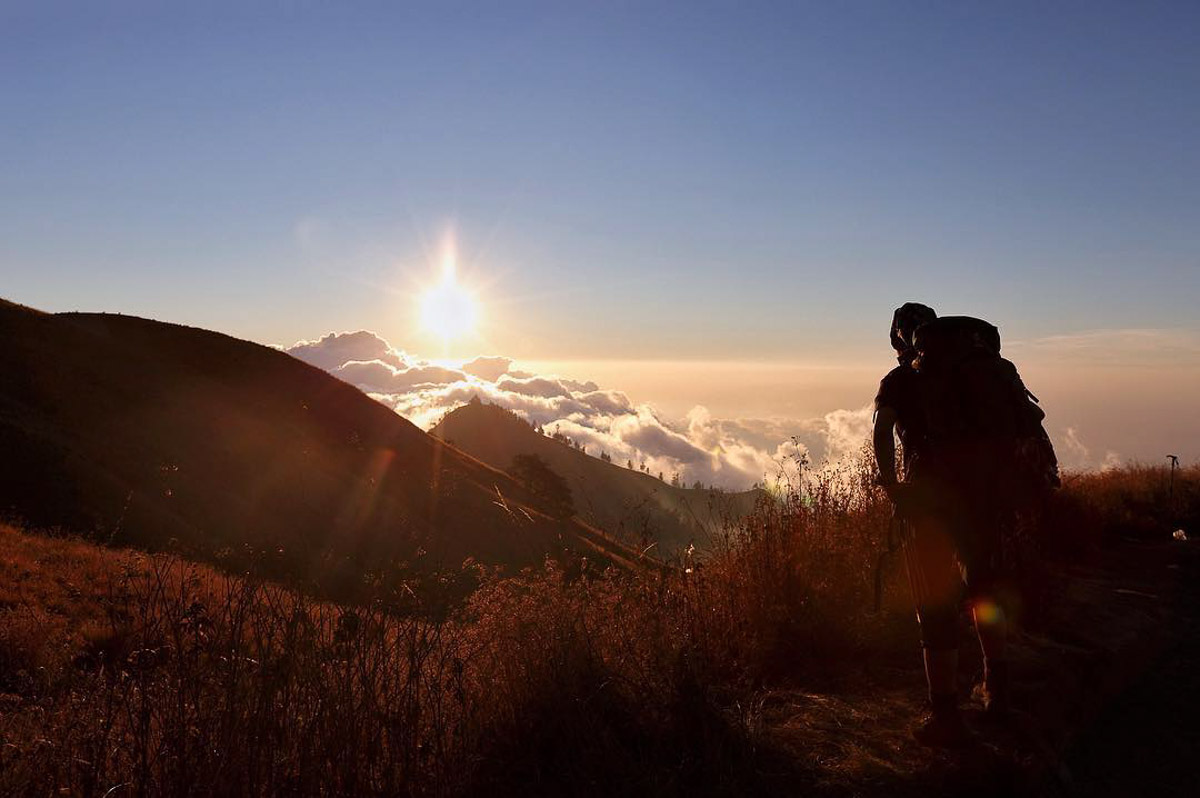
[(973, 450)]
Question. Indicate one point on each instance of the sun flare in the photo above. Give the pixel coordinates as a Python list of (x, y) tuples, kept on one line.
[(447, 309)]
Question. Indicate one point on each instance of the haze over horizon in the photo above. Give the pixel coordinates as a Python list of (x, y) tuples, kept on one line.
[(690, 204)]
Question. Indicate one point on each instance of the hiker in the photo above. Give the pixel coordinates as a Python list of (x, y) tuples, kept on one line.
[(970, 437)]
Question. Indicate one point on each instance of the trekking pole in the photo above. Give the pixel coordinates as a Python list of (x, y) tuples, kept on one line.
[(880, 561), (1171, 485), (918, 581), (894, 533)]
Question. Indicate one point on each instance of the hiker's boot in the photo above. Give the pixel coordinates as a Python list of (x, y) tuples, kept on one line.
[(993, 691), (944, 728)]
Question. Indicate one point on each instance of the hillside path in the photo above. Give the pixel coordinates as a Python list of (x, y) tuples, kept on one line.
[(1107, 696)]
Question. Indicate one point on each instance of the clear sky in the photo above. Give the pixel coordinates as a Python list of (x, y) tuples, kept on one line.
[(689, 182)]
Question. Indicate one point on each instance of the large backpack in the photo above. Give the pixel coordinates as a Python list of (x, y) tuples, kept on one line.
[(977, 404)]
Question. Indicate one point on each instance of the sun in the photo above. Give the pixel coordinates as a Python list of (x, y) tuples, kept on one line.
[(447, 309)]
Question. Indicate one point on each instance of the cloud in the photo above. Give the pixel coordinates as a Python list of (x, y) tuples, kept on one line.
[(336, 349), (732, 453), (574, 385), (1071, 451), (611, 402), (846, 431), (644, 432), (488, 367), (1117, 346), (534, 386), (1075, 455), (377, 376)]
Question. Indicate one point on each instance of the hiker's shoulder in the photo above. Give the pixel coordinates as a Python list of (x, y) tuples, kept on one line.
[(895, 385), (900, 375)]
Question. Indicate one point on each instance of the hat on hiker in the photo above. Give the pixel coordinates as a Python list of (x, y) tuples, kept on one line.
[(907, 318)]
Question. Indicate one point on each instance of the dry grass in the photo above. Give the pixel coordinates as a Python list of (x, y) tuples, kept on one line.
[(1138, 500), (158, 676)]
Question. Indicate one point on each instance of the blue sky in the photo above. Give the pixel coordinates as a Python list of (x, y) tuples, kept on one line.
[(683, 181), (727, 174)]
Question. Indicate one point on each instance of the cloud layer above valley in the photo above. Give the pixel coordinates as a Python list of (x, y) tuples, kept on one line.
[(731, 453)]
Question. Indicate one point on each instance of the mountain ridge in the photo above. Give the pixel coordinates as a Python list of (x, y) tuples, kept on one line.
[(155, 434), (632, 506)]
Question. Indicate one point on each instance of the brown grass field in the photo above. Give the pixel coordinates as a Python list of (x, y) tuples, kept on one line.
[(760, 670)]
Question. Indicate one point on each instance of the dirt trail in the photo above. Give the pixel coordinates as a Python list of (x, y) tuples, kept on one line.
[(1107, 696), (1144, 741)]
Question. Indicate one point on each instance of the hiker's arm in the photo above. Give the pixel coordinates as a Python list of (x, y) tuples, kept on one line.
[(885, 446)]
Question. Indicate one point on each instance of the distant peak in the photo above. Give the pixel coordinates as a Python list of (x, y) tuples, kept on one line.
[(7, 304)]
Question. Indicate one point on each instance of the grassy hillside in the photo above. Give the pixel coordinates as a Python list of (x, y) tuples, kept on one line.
[(631, 505), (762, 669), (136, 431), (765, 671)]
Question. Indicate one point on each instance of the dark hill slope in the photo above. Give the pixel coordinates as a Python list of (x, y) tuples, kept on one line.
[(630, 505), (145, 432)]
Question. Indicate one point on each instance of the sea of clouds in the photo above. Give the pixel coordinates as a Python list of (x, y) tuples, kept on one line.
[(730, 453)]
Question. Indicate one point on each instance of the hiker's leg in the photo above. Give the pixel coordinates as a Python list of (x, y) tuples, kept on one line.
[(941, 673), (937, 587), (992, 639), (982, 574), (992, 628)]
